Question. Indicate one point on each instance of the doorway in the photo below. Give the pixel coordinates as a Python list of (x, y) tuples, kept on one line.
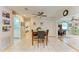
[(65, 26), (16, 29)]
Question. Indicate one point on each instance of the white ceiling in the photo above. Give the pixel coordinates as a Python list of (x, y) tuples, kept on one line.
[(50, 11)]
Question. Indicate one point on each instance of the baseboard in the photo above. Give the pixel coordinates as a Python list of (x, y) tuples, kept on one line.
[(52, 36)]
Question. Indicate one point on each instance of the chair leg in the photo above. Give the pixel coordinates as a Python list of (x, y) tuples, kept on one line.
[(32, 42), (38, 42), (43, 43), (46, 41)]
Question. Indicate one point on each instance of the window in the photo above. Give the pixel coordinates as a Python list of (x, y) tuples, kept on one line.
[(65, 25)]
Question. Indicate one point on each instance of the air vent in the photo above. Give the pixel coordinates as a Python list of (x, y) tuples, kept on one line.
[(26, 8)]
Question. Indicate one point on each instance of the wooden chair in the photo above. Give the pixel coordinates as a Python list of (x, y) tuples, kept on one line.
[(35, 37), (47, 37), (41, 36)]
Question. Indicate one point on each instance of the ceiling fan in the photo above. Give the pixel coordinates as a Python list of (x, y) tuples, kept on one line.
[(41, 14)]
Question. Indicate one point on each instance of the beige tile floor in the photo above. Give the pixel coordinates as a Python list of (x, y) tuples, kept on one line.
[(73, 41), (54, 45)]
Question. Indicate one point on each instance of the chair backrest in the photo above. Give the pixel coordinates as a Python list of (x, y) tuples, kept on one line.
[(41, 35), (47, 31)]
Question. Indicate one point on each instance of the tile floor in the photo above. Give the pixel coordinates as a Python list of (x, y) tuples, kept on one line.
[(72, 41), (54, 45)]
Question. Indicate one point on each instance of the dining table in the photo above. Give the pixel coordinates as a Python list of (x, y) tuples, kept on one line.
[(35, 33)]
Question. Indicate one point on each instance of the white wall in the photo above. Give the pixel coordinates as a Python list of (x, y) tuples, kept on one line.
[(5, 37), (48, 23)]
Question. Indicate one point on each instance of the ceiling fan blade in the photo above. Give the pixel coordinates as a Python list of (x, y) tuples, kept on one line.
[(44, 15), (40, 13)]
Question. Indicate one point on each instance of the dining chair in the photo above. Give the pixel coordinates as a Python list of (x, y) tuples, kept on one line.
[(34, 37), (41, 36), (47, 36)]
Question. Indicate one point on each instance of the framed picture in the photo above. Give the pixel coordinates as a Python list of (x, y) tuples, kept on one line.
[(6, 21), (5, 28), (5, 14)]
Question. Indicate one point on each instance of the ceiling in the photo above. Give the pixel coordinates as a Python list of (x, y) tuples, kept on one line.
[(50, 11)]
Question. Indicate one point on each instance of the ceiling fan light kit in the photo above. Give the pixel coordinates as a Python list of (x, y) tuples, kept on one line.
[(41, 14)]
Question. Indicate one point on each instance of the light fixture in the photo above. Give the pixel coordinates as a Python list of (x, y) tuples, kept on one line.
[(65, 12)]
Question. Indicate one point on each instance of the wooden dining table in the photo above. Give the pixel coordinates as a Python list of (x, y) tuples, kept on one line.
[(35, 33)]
